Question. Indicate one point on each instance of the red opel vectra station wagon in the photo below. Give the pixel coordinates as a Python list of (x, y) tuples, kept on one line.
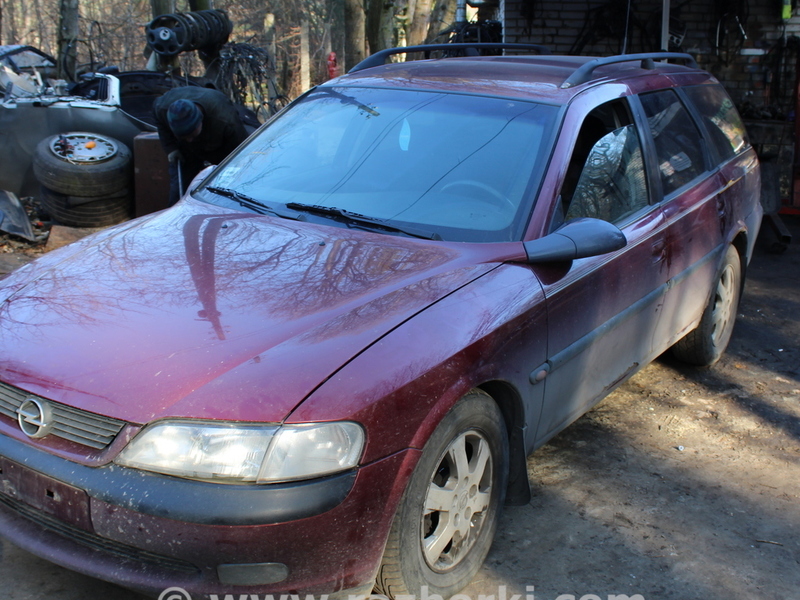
[(323, 369)]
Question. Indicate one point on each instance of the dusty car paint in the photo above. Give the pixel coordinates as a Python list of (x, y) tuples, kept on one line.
[(247, 293)]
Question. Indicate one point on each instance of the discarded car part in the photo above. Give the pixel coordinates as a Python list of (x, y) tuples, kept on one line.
[(13, 218), (24, 122), (79, 200), (139, 89), (171, 34), (150, 174), (77, 211), (27, 59), (15, 84), (118, 106), (83, 147), (82, 164), (240, 64)]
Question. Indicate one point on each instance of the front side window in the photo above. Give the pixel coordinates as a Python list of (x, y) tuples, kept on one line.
[(462, 167), (612, 184), (725, 127), (678, 143), (606, 176)]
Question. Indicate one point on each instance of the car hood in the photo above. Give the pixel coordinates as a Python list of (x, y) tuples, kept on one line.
[(204, 312)]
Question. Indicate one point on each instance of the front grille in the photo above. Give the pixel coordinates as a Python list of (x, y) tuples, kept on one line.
[(71, 424), (95, 542)]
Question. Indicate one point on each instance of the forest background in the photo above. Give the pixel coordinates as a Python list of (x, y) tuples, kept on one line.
[(299, 34)]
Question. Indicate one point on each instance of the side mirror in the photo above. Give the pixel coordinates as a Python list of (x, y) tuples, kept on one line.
[(579, 238)]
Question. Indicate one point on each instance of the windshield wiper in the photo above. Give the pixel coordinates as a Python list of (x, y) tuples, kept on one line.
[(356, 219), (252, 203)]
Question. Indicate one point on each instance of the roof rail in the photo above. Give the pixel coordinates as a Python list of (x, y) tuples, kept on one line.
[(584, 73), (379, 58)]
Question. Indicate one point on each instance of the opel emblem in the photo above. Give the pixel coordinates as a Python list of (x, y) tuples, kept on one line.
[(35, 418)]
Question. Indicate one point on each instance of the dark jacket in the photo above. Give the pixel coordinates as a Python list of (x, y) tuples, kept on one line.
[(222, 129)]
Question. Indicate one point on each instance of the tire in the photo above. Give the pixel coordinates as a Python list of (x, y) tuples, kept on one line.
[(88, 177), (442, 549), (704, 345), (86, 212)]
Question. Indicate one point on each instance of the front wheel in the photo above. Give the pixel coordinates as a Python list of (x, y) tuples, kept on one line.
[(704, 345), (448, 516)]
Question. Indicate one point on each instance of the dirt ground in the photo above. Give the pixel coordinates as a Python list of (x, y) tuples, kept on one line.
[(682, 485)]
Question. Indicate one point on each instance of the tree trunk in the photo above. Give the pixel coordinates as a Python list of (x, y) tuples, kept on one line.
[(442, 16), (67, 39), (380, 24), (162, 7), (355, 33), (420, 22), (305, 57)]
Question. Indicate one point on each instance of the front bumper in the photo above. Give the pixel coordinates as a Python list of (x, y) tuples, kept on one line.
[(149, 532)]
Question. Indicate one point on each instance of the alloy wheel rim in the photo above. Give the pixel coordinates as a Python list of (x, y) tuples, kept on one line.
[(457, 501), (723, 304)]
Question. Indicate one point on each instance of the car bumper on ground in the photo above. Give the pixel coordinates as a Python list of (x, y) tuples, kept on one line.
[(150, 532)]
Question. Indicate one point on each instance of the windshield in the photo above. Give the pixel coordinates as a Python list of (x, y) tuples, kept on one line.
[(464, 168)]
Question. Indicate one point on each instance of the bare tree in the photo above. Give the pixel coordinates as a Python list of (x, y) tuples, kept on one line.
[(355, 32), (113, 33), (420, 21), (442, 16), (381, 24), (68, 39)]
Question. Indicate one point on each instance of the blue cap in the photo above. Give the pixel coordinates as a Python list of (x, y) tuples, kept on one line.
[(183, 117)]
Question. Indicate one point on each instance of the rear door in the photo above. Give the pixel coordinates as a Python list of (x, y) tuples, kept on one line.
[(694, 181)]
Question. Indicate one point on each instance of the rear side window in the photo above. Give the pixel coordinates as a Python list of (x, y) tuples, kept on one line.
[(725, 127), (678, 143)]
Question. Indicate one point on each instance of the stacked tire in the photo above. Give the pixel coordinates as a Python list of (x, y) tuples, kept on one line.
[(86, 179)]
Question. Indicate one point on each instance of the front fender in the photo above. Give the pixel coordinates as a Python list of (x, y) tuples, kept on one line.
[(491, 330)]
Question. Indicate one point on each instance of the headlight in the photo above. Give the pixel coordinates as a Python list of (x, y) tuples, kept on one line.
[(235, 453)]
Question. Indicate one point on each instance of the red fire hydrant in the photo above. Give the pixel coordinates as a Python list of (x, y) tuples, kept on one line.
[(333, 68)]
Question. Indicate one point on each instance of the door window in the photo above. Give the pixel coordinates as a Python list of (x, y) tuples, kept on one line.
[(606, 176), (678, 143), (612, 184), (725, 127)]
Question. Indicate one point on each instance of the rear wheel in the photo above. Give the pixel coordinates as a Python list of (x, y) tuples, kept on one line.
[(704, 345), (447, 519)]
